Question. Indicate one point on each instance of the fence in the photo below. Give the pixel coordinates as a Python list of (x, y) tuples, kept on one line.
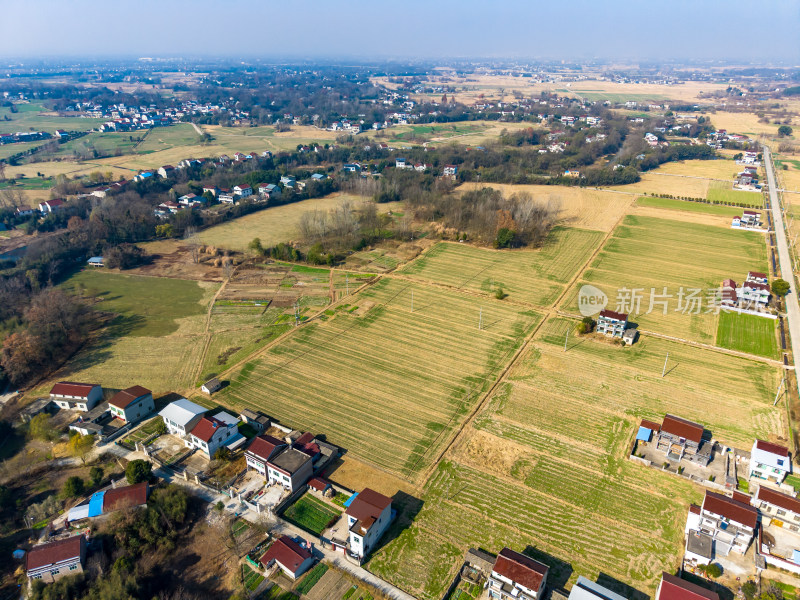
[(281, 506), (115, 435)]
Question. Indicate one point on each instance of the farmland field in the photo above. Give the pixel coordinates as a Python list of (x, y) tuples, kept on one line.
[(386, 383), (748, 333), (536, 277), (544, 465), (647, 253), (671, 204), (272, 225), (311, 513), (35, 116), (155, 337), (579, 207), (722, 192)]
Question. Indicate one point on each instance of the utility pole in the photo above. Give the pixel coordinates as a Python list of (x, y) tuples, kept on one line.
[(566, 337), (780, 387), (480, 319), (296, 312), (664, 370)]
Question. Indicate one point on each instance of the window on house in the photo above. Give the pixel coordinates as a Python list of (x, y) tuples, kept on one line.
[(781, 512), (73, 567), (55, 571), (37, 576)]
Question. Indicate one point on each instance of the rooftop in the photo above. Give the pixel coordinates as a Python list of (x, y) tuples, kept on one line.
[(675, 588), (520, 569), (729, 508), (287, 553), (682, 428), (368, 504), (181, 411), (125, 397), (53, 552), (290, 460), (699, 543), (68, 388), (586, 589), (263, 446)]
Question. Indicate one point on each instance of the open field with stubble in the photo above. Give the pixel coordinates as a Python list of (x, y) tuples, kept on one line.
[(544, 467), (387, 384), (584, 208), (648, 253), (533, 276)]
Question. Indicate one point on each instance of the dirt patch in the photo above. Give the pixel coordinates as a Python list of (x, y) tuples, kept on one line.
[(356, 475), (363, 308), (492, 454), (170, 259)]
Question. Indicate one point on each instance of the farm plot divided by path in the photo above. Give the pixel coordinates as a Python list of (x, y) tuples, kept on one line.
[(649, 253), (536, 277), (386, 383), (545, 463), (748, 333)]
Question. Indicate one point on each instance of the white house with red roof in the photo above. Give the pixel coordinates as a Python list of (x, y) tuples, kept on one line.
[(213, 432), (672, 587), (50, 206), (729, 522), (76, 396), (769, 462), (242, 191), (368, 517), (260, 451), (778, 505), (132, 404), (517, 577), (53, 560), (612, 323), (292, 557)]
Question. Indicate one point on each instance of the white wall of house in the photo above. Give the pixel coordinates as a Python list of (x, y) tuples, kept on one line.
[(83, 403)]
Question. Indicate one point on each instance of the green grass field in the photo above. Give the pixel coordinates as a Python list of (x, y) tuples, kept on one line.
[(311, 514), (722, 192), (382, 381), (28, 117), (544, 466), (649, 254), (672, 204), (748, 333), (103, 144), (533, 276)]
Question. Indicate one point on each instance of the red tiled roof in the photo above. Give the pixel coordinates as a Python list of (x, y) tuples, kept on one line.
[(675, 588), (368, 503), (304, 439), (319, 484), (682, 428), (130, 495), (778, 499), (286, 552), (729, 283), (520, 569), (693, 508), (650, 425), (772, 448), (206, 427), (264, 445), (610, 314), (756, 274), (732, 509), (125, 397), (55, 202), (53, 552), (67, 388), (754, 285)]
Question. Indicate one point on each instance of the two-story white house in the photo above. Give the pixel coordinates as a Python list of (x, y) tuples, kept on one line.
[(181, 416), (261, 450), (516, 577), (368, 517), (290, 468), (133, 404), (612, 323), (730, 522), (213, 432), (770, 462), (76, 396), (776, 505), (242, 191)]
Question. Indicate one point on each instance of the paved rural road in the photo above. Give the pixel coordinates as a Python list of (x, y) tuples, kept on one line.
[(792, 307)]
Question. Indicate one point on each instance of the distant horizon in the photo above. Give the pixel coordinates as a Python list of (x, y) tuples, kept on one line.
[(444, 30)]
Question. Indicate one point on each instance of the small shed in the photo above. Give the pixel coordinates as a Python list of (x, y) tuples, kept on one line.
[(211, 386), (644, 434), (95, 261), (629, 336)]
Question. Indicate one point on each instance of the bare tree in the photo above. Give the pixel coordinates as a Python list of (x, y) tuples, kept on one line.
[(191, 239)]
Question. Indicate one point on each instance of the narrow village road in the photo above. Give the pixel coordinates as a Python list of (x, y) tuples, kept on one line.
[(792, 307)]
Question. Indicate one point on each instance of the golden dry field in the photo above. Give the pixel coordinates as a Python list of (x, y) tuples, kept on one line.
[(583, 208), (747, 123)]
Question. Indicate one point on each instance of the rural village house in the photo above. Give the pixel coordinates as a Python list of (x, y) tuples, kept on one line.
[(586, 589), (133, 404), (769, 461), (368, 516), (104, 502), (211, 386), (672, 587), (778, 505), (291, 557), (261, 450), (517, 577), (291, 468), (76, 396), (258, 421), (730, 522), (680, 439), (181, 416), (211, 433), (612, 323), (53, 560)]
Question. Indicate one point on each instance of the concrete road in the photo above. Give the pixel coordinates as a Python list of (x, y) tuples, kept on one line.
[(784, 261)]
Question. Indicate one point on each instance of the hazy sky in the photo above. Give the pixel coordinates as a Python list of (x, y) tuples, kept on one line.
[(760, 30)]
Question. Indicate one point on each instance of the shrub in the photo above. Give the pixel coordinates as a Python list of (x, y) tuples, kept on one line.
[(96, 475), (138, 470), (73, 487)]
